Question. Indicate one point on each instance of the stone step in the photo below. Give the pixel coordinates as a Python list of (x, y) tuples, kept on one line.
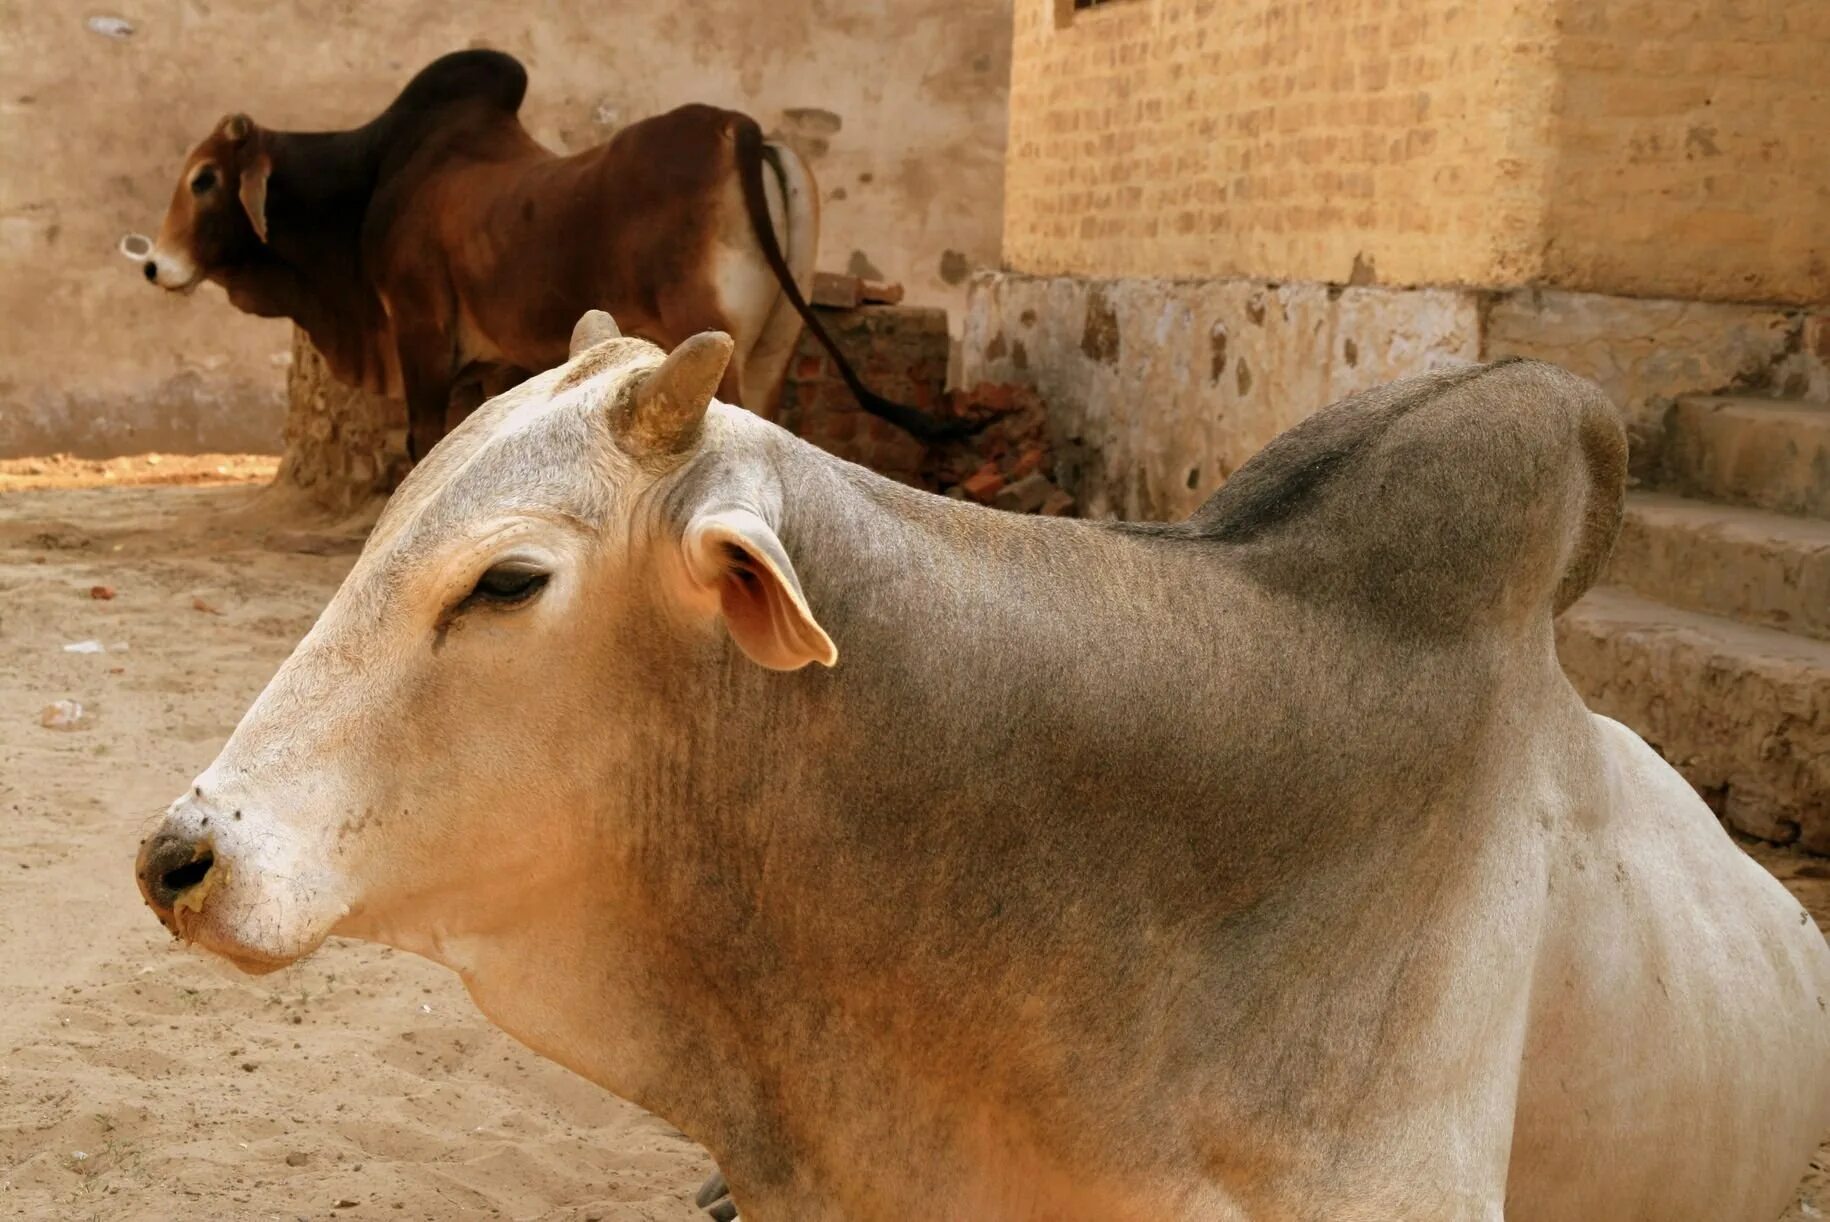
[(1743, 712), (1767, 453), (1747, 564)]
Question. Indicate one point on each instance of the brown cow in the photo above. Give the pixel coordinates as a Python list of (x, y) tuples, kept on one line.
[(441, 244)]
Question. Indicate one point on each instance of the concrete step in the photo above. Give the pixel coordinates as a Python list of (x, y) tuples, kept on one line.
[(1766, 453), (1747, 564), (1743, 712)]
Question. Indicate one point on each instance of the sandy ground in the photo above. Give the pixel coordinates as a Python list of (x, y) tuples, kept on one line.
[(189, 470), (139, 1080)]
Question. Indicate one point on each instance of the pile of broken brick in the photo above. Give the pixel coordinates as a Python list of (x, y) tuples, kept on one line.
[(1006, 462)]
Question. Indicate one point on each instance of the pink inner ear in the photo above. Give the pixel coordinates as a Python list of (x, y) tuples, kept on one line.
[(738, 556), (757, 615)]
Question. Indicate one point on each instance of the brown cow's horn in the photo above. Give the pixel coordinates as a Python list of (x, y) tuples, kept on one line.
[(594, 327), (664, 414), (236, 127)]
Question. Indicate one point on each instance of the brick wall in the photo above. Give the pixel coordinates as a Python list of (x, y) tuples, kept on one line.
[(1628, 147), (901, 353), (1348, 140), (1006, 460), (1692, 150)]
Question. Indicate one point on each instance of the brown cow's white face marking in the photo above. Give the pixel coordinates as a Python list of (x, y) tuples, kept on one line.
[(418, 764)]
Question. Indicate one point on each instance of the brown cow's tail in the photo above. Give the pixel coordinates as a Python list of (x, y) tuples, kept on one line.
[(751, 151)]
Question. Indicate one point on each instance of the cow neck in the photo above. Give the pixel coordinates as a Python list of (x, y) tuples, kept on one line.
[(1045, 743), (1050, 755), (320, 187)]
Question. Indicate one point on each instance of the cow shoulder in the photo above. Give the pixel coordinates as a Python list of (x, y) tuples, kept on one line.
[(1480, 494), (461, 107)]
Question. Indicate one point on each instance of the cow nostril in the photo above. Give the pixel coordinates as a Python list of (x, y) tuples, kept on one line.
[(186, 876), (174, 870), (151, 269)]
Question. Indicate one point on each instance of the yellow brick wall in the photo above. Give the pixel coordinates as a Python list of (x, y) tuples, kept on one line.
[(1292, 139), (1623, 146), (1692, 150)]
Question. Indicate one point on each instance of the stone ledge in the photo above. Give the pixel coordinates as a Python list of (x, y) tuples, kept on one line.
[(1167, 386), (1756, 567), (1766, 453)]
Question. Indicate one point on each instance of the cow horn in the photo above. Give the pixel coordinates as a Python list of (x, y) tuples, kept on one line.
[(664, 414), (236, 127), (594, 327)]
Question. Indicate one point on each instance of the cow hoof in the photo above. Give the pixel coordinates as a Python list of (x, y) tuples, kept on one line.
[(714, 1197)]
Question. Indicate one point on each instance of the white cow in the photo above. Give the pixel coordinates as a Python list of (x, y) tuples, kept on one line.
[(1259, 866)]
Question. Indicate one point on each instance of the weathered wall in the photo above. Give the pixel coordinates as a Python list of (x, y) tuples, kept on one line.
[(1689, 150), (1630, 147), (899, 105), (1157, 390)]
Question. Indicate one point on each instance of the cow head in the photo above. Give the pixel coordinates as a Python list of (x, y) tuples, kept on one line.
[(456, 731), (218, 213)]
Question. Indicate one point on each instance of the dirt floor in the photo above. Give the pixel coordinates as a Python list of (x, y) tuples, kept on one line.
[(139, 1080)]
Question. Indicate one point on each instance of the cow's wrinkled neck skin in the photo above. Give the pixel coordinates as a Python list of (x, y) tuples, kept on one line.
[(812, 901)]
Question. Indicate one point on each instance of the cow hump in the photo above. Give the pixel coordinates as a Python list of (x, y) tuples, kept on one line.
[(1478, 494), (491, 77)]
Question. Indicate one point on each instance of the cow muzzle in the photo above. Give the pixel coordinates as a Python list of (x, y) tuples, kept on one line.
[(214, 883), (166, 269), (176, 873)]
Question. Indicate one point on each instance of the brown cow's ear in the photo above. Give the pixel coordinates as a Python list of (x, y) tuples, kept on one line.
[(664, 414), (254, 172), (734, 554)]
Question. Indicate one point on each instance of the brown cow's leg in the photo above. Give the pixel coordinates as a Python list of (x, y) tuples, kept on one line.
[(426, 361), (476, 384), (426, 408)]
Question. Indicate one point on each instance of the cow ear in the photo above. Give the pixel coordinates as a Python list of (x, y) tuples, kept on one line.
[(254, 173), (664, 414), (734, 554)]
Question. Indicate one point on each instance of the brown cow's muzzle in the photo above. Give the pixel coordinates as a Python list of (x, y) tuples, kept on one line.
[(174, 271), (177, 274), (175, 872)]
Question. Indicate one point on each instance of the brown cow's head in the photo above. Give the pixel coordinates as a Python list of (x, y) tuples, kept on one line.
[(218, 214), (471, 712)]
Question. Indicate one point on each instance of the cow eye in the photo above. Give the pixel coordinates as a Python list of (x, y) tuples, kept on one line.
[(204, 182), (508, 584)]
